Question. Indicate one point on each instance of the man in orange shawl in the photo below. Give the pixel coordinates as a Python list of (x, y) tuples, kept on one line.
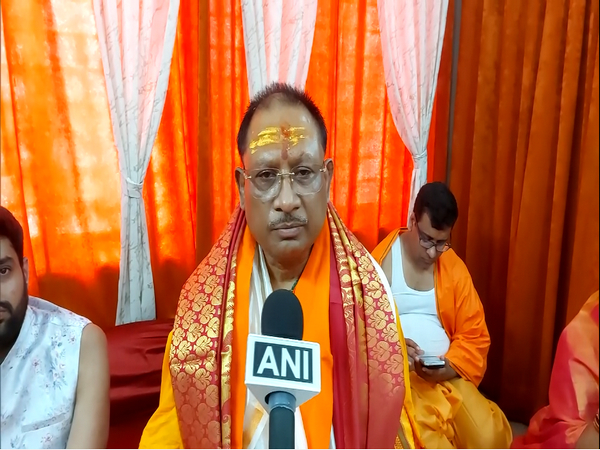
[(442, 317), (284, 235), (571, 418)]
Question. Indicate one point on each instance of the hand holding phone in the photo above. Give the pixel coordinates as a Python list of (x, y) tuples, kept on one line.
[(432, 362), (434, 369), (414, 351)]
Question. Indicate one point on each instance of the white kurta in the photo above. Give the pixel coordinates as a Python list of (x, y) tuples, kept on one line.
[(39, 378)]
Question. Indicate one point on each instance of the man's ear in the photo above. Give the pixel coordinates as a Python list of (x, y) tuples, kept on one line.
[(26, 269), (240, 181), (329, 173), (411, 221)]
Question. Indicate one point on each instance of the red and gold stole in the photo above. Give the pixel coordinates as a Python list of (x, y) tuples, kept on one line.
[(368, 363)]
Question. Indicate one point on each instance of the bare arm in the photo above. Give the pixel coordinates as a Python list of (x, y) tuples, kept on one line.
[(413, 351), (92, 405)]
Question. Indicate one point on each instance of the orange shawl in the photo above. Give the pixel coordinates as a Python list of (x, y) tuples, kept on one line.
[(459, 309), (368, 363), (573, 386)]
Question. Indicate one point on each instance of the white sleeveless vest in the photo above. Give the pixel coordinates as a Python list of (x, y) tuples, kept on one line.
[(417, 310), (39, 378)]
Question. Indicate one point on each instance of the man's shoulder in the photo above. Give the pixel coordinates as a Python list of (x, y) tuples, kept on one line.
[(93, 343), (451, 257), (50, 313), (452, 266), (382, 249)]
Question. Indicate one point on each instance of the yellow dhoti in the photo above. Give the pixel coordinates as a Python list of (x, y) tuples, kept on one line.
[(454, 414)]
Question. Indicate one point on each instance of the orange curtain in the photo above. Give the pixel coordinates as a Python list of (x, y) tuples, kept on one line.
[(440, 122), (525, 171), (59, 166), (373, 168)]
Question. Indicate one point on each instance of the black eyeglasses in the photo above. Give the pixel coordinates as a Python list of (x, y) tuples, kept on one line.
[(428, 243)]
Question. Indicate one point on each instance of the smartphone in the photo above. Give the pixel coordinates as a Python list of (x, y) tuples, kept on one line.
[(432, 362)]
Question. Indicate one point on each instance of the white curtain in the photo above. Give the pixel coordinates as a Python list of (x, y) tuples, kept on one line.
[(136, 41), (278, 38), (412, 35)]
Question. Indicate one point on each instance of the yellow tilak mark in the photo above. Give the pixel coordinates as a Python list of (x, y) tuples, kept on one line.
[(277, 135)]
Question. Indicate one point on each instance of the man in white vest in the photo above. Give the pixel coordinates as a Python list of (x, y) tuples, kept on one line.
[(53, 363)]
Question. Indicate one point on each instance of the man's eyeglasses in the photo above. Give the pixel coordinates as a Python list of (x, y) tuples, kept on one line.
[(427, 242), (304, 179)]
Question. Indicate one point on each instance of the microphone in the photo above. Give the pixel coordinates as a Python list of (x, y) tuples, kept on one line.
[(282, 371)]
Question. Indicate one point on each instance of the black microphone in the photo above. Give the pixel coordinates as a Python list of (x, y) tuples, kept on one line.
[(282, 317), (282, 370)]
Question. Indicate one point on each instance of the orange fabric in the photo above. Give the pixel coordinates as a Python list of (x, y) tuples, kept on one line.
[(462, 316), (59, 165), (373, 170), (525, 174), (454, 414), (573, 386), (313, 292), (437, 158), (460, 312)]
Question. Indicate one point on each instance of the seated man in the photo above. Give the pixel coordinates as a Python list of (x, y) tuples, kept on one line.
[(571, 418), (53, 363), (442, 316), (284, 236)]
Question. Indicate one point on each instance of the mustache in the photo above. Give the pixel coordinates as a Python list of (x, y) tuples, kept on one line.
[(7, 306), (288, 219)]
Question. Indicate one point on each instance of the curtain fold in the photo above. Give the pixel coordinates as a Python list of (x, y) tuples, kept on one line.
[(170, 185), (59, 173), (524, 166), (59, 165), (136, 44), (278, 38), (412, 38)]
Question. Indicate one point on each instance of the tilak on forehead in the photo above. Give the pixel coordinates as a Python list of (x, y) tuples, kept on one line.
[(285, 134)]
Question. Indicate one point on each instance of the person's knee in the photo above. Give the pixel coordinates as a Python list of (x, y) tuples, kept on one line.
[(479, 422)]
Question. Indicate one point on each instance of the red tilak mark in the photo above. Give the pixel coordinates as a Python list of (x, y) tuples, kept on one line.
[(285, 134)]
